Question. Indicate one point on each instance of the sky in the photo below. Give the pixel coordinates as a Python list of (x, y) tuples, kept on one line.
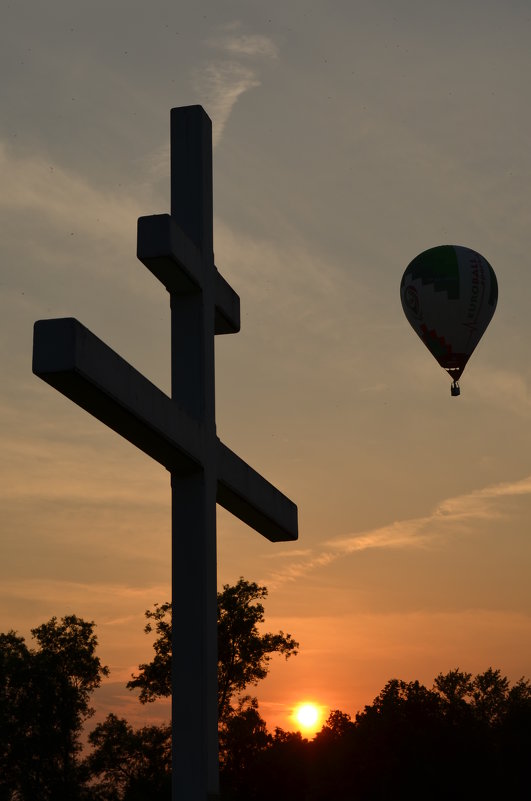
[(348, 137)]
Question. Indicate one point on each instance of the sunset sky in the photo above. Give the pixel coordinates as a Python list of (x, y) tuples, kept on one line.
[(349, 137)]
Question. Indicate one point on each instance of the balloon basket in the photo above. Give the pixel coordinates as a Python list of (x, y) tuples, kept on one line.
[(455, 389)]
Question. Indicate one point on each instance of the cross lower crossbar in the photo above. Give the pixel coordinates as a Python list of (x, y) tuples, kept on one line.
[(72, 359)]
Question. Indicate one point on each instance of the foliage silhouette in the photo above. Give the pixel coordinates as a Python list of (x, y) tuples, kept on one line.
[(128, 764), (44, 701), (154, 679), (45, 694), (243, 652), (466, 737), (242, 738)]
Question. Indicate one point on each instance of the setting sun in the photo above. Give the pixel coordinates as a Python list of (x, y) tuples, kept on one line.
[(308, 716)]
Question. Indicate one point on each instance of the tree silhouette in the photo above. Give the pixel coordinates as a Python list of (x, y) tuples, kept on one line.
[(129, 764), (242, 738), (464, 738), (154, 679), (44, 701), (243, 652)]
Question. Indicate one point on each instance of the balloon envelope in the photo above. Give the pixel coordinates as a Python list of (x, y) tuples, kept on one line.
[(449, 294)]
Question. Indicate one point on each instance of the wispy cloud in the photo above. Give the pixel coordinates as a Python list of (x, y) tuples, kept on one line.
[(97, 593), (416, 532), (62, 196), (220, 85), (476, 504), (232, 40), (222, 81)]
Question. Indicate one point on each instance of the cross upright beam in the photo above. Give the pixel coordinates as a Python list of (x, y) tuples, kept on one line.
[(194, 584), (180, 433)]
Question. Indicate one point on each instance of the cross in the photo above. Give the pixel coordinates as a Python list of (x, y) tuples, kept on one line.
[(179, 433)]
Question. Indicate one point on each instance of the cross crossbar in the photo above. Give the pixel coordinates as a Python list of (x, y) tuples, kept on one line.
[(72, 359), (164, 248)]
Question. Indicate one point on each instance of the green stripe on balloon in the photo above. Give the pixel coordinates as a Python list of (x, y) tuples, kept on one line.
[(439, 267)]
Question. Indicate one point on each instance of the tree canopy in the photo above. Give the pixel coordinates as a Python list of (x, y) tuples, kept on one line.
[(464, 738), (244, 653), (44, 701), (45, 695), (127, 764)]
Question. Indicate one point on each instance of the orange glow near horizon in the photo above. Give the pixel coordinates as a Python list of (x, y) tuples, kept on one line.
[(308, 717)]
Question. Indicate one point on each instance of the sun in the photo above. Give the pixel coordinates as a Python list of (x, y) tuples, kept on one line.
[(308, 716)]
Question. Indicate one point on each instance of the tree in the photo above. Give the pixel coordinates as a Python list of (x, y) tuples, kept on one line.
[(466, 737), (44, 701), (337, 725), (454, 688), (154, 679), (490, 691), (331, 750), (129, 764), (514, 739), (16, 710), (243, 737), (243, 652)]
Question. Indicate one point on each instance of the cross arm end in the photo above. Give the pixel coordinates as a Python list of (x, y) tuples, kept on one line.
[(251, 498), (78, 364)]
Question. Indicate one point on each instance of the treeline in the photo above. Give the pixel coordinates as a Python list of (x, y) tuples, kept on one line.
[(464, 738)]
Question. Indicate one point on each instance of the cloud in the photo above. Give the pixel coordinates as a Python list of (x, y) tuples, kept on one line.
[(51, 591), (244, 44), (221, 82), (220, 85), (476, 504), (416, 532), (63, 197), (59, 219)]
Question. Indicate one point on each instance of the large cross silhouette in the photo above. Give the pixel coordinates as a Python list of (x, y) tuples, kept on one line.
[(180, 433)]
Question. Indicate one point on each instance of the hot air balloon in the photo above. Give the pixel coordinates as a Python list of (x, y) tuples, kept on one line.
[(449, 294)]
